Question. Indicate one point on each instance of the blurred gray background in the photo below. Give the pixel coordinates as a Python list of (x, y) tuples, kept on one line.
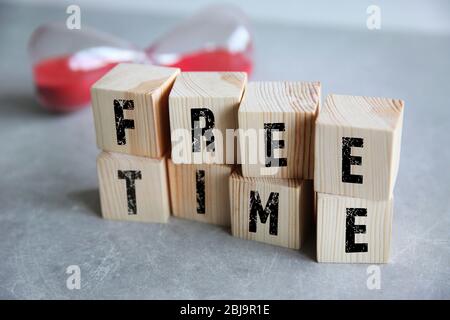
[(49, 206)]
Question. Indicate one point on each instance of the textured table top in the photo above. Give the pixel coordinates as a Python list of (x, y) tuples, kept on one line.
[(49, 205)]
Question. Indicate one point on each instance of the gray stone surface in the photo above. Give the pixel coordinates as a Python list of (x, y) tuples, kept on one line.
[(49, 206)]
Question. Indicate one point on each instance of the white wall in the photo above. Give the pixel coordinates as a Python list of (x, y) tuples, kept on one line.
[(399, 15)]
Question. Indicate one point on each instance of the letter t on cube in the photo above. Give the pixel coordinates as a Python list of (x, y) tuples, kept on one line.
[(133, 188)]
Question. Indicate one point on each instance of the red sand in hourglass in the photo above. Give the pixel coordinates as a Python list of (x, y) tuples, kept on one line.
[(59, 85)]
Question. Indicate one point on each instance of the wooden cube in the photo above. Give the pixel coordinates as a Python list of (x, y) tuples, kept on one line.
[(353, 230), (200, 192), (203, 105), (358, 146), (130, 106), (133, 188), (274, 211), (279, 117)]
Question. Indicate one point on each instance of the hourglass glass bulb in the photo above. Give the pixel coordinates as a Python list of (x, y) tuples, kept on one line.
[(217, 38), (67, 62)]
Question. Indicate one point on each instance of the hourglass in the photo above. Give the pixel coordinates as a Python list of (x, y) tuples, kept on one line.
[(67, 62)]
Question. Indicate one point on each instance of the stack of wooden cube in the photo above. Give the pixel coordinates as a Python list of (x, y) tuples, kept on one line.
[(356, 162), (272, 197), (245, 155), (132, 127), (202, 107)]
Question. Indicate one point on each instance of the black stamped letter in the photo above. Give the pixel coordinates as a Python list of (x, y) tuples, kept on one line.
[(121, 123), (130, 176), (200, 186), (198, 132), (271, 211), (348, 160), (351, 229), (271, 145)]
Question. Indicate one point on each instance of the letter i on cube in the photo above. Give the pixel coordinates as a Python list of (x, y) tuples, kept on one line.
[(200, 192), (357, 152)]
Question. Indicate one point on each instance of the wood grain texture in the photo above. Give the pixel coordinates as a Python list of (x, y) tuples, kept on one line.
[(294, 104), (213, 193), (220, 92), (151, 190), (148, 87), (295, 205), (332, 223), (378, 122)]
